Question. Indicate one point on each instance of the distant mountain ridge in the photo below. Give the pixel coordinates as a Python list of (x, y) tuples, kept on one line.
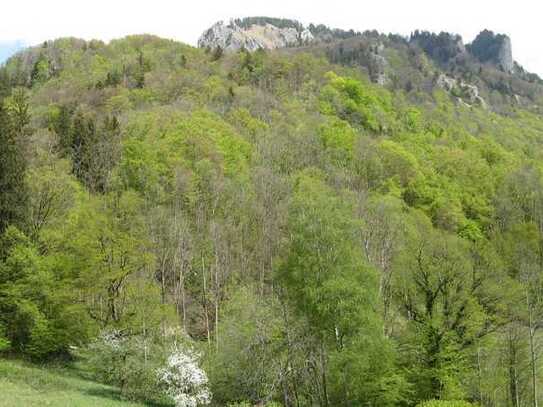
[(254, 33), (481, 73), (473, 73)]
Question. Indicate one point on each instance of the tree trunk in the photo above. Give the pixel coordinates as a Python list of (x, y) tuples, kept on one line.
[(513, 376), (323, 375), (479, 376), (533, 361), (182, 293), (206, 314), (534, 368), (217, 296)]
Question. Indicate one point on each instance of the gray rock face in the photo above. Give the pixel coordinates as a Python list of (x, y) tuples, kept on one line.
[(232, 37), (306, 37), (495, 49), (505, 55), (446, 82), (378, 69), (467, 94), (377, 64)]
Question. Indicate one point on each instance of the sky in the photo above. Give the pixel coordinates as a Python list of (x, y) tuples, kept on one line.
[(34, 21), (9, 48)]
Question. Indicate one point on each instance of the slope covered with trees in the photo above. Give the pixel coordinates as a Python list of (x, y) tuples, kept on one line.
[(205, 228)]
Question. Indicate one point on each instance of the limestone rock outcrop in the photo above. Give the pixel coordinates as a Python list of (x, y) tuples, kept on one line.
[(380, 55), (466, 93), (495, 49), (232, 36)]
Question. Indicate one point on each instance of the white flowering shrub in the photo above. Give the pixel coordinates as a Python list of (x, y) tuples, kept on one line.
[(105, 357), (184, 381), (128, 362)]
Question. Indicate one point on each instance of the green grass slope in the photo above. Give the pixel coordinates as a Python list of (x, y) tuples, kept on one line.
[(27, 385)]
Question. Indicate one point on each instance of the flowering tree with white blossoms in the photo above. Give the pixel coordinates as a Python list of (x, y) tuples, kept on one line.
[(185, 382)]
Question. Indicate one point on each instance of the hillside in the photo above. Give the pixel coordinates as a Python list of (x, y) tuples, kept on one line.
[(24, 385), (333, 219), (476, 73)]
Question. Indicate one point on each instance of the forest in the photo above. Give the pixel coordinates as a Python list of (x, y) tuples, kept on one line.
[(271, 229)]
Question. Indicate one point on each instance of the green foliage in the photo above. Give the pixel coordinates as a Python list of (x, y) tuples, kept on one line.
[(338, 138), (41, 71), (4, 342), (360, 105), (129, 363), (13, 192), (39, 311), (335, 290), (161, 146), (445, 403), (250, 356), (321, 225), (108, 255), (323, 240), (93, 147)]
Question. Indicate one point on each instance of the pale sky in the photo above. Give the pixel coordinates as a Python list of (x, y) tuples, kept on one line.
[(34, 21)]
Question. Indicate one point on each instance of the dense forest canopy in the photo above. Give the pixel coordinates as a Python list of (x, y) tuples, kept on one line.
[(273, 223)]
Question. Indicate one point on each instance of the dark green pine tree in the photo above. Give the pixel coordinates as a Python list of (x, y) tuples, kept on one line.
[(62, 126), (13, 192), (5, 83), (140, 71), (83, 134)]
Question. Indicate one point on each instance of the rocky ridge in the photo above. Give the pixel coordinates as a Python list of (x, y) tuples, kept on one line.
[(487, 48), (482, 73), (471, 73), (495, 49), (233, 37), (255, 33)]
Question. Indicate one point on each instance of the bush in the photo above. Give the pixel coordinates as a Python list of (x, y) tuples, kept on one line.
[(445, 403), (144, 369), (127, 362), (250, 360), (4, 342), (183, 380)]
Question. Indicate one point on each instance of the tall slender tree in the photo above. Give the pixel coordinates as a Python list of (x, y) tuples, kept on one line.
[(13, 194)]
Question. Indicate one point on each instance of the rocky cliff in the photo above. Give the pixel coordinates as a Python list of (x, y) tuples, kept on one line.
[(487, 48), (482, 73), (253, 33), (494, 49), (252, 36)]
